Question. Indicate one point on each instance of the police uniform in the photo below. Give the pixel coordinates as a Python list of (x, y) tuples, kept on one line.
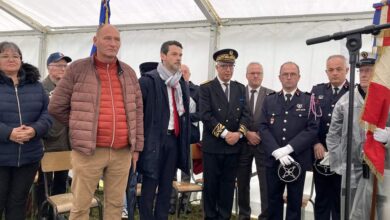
[(220, 160), (283, 123), (327, 188)]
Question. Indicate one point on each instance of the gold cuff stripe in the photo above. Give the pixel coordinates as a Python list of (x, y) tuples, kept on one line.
[(243, 129), (218, 129)]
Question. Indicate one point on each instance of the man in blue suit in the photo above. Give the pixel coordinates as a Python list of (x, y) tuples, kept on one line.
[(166, 130), (289, 127)]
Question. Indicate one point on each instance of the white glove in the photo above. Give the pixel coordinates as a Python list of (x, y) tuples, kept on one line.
[(325, 160), (286, 160), (382, 135), (283, 151)]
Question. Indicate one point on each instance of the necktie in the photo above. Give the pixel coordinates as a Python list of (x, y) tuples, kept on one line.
[(288, 98), (252, 101), (226, 90), (336, 91), (175, 114)]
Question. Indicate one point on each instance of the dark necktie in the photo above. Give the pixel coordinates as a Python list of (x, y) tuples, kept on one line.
[(175, 114), (226, 90), (336, 91), (288, 98), (252, 101)]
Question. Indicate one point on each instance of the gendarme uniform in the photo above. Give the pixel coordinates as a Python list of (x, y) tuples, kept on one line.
[(327, 201), (285, 123), (220, 113)]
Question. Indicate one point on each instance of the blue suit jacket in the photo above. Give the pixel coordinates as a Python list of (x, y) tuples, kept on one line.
[(282, 124)]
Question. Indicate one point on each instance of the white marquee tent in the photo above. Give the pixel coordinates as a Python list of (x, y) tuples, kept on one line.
[(269, 32)]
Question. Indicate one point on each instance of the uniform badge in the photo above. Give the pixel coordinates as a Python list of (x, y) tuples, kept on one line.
[(299, 105), (321, 97), (272, 120)]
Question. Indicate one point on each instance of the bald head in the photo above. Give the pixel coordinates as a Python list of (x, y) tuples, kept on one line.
[(107, 41)]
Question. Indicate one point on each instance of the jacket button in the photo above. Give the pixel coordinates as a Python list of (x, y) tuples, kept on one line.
[(329, 114), (283, 138), (227, 120), (284, 121), (284, 129), (286, 112), (238, 109), (327, 124)]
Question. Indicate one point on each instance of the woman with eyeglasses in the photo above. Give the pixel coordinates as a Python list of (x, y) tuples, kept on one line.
[(23, 121)]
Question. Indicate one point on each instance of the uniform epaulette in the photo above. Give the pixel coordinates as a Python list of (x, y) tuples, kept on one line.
[(271, 93), (207, 81)]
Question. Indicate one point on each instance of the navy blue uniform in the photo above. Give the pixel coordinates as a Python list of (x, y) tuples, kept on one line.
[(327, 188), (220, 160), (283, 124)]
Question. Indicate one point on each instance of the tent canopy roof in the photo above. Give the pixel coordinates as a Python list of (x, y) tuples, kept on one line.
[(49, 15)]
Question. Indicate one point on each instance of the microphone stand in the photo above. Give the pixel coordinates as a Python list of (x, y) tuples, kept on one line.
[(354, 43)]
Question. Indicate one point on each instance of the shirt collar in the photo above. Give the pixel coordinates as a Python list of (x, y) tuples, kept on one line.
[(292, 92), (222, 82), (257, 90)]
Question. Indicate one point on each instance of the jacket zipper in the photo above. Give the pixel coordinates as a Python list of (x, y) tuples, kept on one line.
[(20, 121), (113, 107)]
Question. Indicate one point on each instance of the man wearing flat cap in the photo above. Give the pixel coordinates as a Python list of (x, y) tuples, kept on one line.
[(57, 138), (336, 138), (225, 117)]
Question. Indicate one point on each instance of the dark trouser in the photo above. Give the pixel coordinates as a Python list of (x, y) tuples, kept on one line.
[(243, 181), (56, 183), (327, 201), (15, 184), (219, 175), (275, 196), (167, 168)]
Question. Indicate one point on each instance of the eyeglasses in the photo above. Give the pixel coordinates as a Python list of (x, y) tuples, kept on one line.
[(10, 57), (226, 66), (289, 75), (62, 66)]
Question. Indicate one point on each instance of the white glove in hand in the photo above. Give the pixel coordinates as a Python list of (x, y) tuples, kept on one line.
[(325, 160), (283, 151), (382, 135), (286, 160)]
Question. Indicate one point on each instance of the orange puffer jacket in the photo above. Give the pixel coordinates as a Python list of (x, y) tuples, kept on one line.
[(112, 128), (76, 102)]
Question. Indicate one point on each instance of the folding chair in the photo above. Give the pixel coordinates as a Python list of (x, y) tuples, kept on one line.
[(62, 203), (188, 187)]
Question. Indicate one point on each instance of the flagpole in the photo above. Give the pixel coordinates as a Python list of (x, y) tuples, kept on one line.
[(354, 43)]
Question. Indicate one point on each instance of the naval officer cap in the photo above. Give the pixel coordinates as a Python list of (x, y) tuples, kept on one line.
[(366, 60), (225, 56)]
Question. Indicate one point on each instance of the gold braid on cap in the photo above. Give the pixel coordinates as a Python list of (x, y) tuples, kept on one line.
[(217, 131), (226, 56), (243, 129), (364, 54)]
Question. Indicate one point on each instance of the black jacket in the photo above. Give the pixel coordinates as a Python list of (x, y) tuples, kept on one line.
[(218, 114)]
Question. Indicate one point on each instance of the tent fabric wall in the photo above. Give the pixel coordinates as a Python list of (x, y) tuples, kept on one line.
[(274, 44)]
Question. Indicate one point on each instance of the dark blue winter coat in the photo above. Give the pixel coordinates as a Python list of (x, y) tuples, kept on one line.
[(24, 104), (156, 117)]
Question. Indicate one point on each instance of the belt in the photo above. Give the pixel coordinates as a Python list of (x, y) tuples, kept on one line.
[(171, 132)]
